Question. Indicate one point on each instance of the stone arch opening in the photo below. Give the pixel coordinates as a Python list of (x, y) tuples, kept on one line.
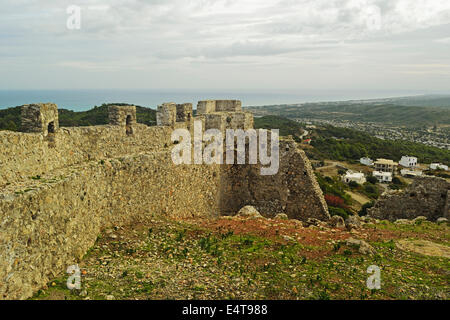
[(51, 134), (129, 129), (51, 127)]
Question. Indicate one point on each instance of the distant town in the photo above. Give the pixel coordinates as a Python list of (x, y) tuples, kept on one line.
[(437, 136)]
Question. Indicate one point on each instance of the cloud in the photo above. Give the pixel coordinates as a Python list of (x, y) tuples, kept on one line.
[(124, 35)]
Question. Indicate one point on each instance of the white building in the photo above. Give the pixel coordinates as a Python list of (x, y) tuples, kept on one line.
[(357, 177), (366, 161), (436, 166), (385, 165), (411, 173), (383, 177), (408, 162)]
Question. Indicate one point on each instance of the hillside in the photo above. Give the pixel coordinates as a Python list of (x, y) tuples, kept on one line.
[(238, 258), (388, 114), (10, 118), (286, 126), (346, 144)]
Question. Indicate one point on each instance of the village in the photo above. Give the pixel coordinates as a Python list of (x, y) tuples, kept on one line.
[(354, 185), (433, 136)]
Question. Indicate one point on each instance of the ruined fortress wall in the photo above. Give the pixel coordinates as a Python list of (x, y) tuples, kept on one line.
[(426, 196), (49, 227), (447, 206), (293, 190), (58, 190), (23, 155)]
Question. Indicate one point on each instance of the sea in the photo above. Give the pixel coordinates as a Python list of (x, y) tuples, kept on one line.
[(82, 100)]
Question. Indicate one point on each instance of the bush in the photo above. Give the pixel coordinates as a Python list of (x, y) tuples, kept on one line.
[(372, 179), (337, 212), (397, 181), (353, 184), (335, 201), (364, 208)]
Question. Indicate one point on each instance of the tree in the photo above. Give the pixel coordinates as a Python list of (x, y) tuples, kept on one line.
[(353, 184), (372, 179)]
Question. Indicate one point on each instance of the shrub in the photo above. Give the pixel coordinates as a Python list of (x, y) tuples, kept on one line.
[(334, 201), (364, 208), (337, 212), (353, 184), (372, 179)]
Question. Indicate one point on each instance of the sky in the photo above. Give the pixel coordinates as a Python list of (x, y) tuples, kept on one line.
[(266, 45)]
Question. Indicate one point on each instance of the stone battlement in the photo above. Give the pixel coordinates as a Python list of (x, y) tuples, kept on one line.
[(59, 187)]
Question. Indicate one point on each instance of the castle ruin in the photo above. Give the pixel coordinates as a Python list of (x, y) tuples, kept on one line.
[(61, 186)]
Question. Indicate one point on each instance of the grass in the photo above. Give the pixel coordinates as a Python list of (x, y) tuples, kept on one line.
[(191, 259)]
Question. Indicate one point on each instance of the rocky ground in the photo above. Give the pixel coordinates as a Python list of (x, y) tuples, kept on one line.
[(258, 258)]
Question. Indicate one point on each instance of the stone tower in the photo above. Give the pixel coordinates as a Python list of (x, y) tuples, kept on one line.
[(40, 118), (124, 116), (170, 113)]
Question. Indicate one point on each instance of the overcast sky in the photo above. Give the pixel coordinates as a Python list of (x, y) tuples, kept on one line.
[(227, 44)]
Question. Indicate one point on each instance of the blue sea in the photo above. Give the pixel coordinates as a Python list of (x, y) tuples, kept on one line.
[(81, 100)]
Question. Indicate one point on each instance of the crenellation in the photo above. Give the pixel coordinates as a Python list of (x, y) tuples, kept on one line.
[(228, 106), (55, 200), (40, 118), (124, 116), (184, 112), (166, 114), (211, 106), (206, 106)]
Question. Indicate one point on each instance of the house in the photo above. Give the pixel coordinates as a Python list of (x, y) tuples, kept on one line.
[(408, 162), (385, 165), (357, 177), (383, 177), (438, 166), (366, 161), (411, 173)]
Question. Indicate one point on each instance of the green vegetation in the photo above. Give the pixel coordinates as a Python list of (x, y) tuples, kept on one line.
[(364, 208), (370, 190), (333, 186), (438, 173), (10, 118), (243, 259), (99, 116), (387, 113), (344, 144), (286, 126)]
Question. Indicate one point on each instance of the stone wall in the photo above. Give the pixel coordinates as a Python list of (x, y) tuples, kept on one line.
[(426, 196), (447, 206), (122, 115), (210, 106), (23, 155), (293, 190), (228, 120), (57, 194), (40, 117), (50, 225)]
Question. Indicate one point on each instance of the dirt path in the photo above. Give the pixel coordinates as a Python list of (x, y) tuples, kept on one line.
[(361, 199)]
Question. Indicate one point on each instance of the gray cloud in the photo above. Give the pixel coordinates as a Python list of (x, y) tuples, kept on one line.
[(332, 43)]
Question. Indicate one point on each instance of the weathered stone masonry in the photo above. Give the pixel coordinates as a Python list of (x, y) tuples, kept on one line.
[(58, 194), (426, 196)]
